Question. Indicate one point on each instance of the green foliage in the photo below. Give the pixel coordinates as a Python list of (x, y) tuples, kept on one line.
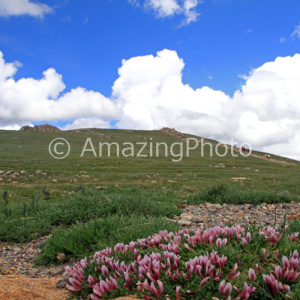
[(27, 221), (225, 194), (82, 239), (6, 211), (33, 207)]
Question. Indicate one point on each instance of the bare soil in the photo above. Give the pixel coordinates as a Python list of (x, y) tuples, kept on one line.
[(20, 287)]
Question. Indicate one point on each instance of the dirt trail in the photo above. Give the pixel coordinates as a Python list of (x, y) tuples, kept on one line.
[(265, 158)]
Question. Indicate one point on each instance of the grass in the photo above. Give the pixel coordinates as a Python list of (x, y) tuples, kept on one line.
[(224, 194), (89, 203), (28, 151), (81, 207)]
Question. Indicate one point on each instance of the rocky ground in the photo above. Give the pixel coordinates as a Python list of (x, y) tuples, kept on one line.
[(208, 214)]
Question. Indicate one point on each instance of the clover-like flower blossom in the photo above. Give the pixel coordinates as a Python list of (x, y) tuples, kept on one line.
[(252, 274)]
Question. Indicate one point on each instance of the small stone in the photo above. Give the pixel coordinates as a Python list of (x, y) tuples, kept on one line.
[(66, 275), (196, 220), (240, 214), (16, 249), (38, 172), (8, 173), (184, 222), (220, 166), (33, 271), (62, 283), (218, 206), (101, 188)]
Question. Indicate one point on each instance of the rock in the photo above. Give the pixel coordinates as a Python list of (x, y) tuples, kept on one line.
[(220, 166), (23, 172), (38, 172), (33, 271), (293, 217), (43, 128), (54, 180), (8, 173), (82, 172), (184, 222), (196, 220), (62, 283), (101, 188), (218, 206), (2, 172), (238, 178)]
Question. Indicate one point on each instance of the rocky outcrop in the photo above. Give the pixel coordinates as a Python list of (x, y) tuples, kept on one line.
[(43, 128)]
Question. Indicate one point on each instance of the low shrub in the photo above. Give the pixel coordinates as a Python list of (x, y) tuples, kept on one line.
[(215, 263), (82, 239)]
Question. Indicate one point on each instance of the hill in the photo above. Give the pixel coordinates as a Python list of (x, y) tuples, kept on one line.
[(26, 162)]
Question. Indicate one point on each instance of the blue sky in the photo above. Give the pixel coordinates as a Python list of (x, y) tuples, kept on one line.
[(86, 41)]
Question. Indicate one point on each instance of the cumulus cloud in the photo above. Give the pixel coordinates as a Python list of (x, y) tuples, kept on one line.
[(265, 112), (23, 7), (149, 94), (158, 98), (34, 100), (168, 8)]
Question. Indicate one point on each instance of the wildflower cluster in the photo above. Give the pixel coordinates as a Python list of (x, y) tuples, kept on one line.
[(190, 264)]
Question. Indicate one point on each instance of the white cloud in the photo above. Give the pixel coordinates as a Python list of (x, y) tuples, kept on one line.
[(282, 39), (168, 8), (150, 94), (90, 122), (296, 32), (265, 112), (23, 7), (157, 97), (33, 100), (163, 7)]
